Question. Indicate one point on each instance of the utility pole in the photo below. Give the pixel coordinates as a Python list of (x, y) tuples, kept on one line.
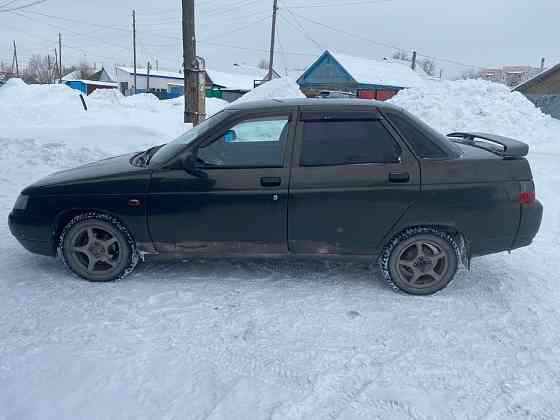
[(413, 60), (193, 75), (59, 57), (542, 63), (48, 69), (272, 41), (56, 71), (15, 60), (148, 67), (134, 45)]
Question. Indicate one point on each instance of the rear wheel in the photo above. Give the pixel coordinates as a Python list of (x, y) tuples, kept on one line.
[(420, 261), (98, 248)]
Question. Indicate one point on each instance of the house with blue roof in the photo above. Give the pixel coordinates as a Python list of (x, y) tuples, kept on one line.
[(362, 77)]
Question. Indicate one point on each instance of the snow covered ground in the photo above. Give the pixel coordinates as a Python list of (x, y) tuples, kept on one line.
[(273, 340)]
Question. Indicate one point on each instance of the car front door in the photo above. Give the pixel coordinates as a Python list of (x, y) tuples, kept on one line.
[(241, 207), (351, 181)]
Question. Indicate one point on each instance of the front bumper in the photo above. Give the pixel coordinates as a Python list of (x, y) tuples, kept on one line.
[(32, 236), (529, 225)]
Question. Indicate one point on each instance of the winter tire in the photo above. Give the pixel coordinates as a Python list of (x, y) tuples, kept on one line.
[(98, 248), (420, 261)]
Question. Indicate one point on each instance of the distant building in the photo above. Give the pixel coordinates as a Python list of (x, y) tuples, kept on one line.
[(364, 78), (87, 87), (73, 75), (544, 90), (98, 80), (101, 76), (509, 75), (167, 84)]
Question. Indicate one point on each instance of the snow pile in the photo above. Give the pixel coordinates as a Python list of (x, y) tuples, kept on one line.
[(17, 93), (479, 105), (275, 89), (116, 98), (53, 115)]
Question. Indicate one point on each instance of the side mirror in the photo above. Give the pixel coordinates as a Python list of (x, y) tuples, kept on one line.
[(192, 165), (230, 136)]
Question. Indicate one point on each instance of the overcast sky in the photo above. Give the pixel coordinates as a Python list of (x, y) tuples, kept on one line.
[(474, 32)]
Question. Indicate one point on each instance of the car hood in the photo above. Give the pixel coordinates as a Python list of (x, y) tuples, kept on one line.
[(114, 175)]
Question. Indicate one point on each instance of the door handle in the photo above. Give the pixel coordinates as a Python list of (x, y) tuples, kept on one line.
[(399, 177), (271, 181)]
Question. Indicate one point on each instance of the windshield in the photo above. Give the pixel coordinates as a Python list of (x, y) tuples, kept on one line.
[(170, 150)]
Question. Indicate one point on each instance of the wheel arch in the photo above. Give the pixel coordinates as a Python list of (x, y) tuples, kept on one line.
[(65, 216), (460, 237)]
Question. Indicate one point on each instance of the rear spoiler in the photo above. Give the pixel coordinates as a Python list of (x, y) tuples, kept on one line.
[(502, 146)]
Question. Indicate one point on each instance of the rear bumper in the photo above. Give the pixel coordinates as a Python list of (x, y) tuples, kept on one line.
[(35, 239), (529, 225)]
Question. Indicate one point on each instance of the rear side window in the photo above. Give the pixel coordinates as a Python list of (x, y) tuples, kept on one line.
[(338, 142), (420, 142)]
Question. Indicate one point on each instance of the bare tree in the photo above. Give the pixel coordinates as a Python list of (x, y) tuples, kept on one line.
[(263, 64), (401, 55), (85, 69), (428, 66), (41, 69), (4, 68)]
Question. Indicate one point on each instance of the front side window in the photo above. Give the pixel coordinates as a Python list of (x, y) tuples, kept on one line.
[(335, 142), (256, 142)]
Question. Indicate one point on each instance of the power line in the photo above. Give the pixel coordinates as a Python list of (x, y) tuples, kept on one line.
[(235, 6), (5, 7), (300, 27), (350, 3), (282, 51), (237, 47), (78, 34), (113, 27), (7, 3), (382, 44), (241, 28), (178, 21)]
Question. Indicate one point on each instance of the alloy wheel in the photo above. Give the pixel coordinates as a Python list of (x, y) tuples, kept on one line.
[(422, 264), (96, 249)]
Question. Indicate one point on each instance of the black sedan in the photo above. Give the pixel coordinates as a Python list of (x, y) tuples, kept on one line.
[(342, 178)]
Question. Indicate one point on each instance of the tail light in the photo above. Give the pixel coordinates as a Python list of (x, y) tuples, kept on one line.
[(527, 194)]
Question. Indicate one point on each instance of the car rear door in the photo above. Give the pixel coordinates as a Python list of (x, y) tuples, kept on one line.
[(241, 208), (351, 181)]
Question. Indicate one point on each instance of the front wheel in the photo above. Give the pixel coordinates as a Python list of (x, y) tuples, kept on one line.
[(97, 247), (420, 261)]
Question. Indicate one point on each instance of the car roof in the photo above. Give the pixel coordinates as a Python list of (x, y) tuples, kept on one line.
[(311, 102)]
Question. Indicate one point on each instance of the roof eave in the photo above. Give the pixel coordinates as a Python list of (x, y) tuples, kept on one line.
[(536, 78)]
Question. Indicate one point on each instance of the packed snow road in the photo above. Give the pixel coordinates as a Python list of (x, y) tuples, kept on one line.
[(282, 340), (276, 339)]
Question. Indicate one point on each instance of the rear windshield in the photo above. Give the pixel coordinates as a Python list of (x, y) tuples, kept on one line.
[(426, 142)]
